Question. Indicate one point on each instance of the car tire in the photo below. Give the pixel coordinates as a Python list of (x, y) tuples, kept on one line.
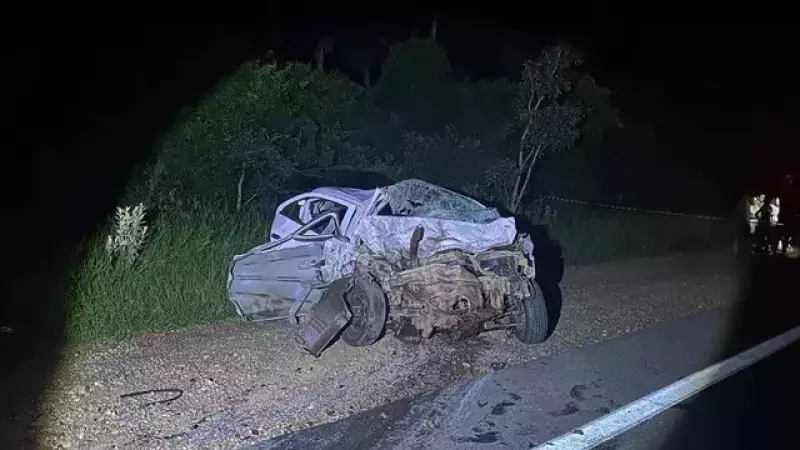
[(532, 321), (368, 305)]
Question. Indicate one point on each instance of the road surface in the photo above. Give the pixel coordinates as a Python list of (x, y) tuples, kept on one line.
[(527, 404)]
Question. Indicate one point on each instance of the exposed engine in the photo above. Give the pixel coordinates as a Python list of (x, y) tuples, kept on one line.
[(460, 293)]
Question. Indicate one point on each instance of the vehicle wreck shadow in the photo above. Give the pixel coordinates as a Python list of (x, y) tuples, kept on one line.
[(549, 261)]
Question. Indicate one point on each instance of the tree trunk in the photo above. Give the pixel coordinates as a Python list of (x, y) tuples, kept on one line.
[(525, 162), (434, 26), (324, 47), (367, 77), (239, 190), (533, 156), (320, 57)]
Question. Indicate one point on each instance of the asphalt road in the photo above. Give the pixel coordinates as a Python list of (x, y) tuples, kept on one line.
[(525, 405)]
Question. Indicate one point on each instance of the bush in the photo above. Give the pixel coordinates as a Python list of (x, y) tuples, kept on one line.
[(250, 133), (177, 280)]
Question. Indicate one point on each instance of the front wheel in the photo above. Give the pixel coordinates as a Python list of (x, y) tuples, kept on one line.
[(531, 320), (368, 305)]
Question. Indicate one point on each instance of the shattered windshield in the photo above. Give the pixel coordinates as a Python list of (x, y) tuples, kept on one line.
[(417, 198)]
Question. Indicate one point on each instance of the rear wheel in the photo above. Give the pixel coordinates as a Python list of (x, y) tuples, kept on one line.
[(368, 305), (531, 319)]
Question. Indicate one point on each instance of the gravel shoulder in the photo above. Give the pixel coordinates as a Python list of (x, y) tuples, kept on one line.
[(241, 381)]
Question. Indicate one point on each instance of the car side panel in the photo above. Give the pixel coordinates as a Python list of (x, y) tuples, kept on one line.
[(264, 285)]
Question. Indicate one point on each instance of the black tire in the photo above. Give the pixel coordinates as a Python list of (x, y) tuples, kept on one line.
[(368, 305), (532, 323)]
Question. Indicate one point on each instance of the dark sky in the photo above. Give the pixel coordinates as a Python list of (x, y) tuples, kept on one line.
[(743, 70), (701, 57), (730, 86), (696, 69), (729, 83)]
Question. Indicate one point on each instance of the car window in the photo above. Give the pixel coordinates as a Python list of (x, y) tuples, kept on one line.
[(293, 210), (385, 210), (318, 207), (305, 210)]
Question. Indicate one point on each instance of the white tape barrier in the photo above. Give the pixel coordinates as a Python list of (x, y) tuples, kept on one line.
[(639, 411), (629, 208)]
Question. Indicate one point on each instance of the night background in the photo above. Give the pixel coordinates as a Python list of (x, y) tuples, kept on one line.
[(695, 116)]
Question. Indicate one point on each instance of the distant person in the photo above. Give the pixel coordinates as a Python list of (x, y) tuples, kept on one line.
[(789, 193)]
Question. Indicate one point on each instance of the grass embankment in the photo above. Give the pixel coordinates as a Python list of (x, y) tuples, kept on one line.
[(177, 280)]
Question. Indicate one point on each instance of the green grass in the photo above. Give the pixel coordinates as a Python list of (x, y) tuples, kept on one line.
[(178, 280)]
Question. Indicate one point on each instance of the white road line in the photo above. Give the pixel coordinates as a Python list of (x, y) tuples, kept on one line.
[(623, 419)]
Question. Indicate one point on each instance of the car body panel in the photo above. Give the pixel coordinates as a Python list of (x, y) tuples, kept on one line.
[(263, 285)]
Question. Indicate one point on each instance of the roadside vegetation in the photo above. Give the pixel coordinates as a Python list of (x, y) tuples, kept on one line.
[(211, 187)]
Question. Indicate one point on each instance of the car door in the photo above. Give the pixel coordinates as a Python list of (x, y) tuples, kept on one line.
[(274, 280), (266, 282)]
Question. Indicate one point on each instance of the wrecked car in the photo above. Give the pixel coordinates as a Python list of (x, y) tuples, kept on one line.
[(411, 258)]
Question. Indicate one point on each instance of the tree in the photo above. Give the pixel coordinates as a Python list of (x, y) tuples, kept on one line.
[(604, 118), (417, 85), (250, 133), (324, 48), (545, 120), (583, 171), (357, 54)]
